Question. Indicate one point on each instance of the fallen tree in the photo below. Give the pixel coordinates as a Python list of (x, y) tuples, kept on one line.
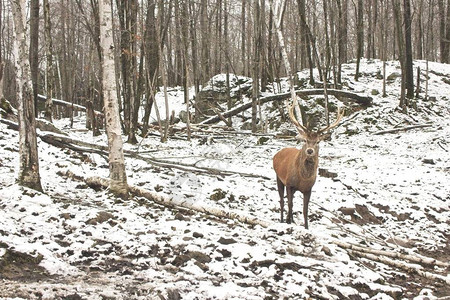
[(61, 141), (395, 130), (96, 182), (382, 256), (363, 100), (65, 103)]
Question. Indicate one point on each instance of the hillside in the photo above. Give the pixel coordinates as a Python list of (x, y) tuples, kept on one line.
[(383, 191)]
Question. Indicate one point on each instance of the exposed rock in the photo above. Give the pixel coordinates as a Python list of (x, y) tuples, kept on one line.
[(101, 217), (225, 241)]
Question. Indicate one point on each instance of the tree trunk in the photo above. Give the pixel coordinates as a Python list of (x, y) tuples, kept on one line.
[(118, 184), (442, 43), (152, 61), (1, 58), (204, 40), (49, 70), (133, 72), (446, 55), (419, 30), (359, 36), (34, 49), (256, 58), (409, 72), (28, 152), (243, 35), (401, 50)]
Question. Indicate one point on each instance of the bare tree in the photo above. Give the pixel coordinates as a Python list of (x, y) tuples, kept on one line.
[(49, 62), (1, 58), (34, 48), (359, 36), (28, 160), (118, 184), (409, 76)]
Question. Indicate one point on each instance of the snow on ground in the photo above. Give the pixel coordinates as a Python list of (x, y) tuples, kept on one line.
[(391, 192)]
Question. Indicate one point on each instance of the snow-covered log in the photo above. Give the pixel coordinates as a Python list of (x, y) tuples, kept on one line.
[(409, 268), (412, 258), (166, 201), (363, 100), (65, 103), (395, 130)]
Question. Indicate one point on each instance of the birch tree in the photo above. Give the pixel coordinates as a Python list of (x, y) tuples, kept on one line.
[(118, 179), (28, 153)]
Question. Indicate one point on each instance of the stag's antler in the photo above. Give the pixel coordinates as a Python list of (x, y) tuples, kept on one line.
[(340, 114), (301, 129)]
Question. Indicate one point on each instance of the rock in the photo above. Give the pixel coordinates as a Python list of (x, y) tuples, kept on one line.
[(326, 250), (183, 116), (225, 241), (393, 76), (225, 253), (218, 195), (199, 256), (428, 161), (375, 92), (101, 217), (247, 125), (180, 260), (198, 235), (262, 140)]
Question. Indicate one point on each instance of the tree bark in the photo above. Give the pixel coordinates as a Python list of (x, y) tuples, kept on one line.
[(401, 50), (34, 49), (442, 44), (409, 72), (28, 152), (1, 57), (49, 70), (118, 184), (359, 36), (256, 58)]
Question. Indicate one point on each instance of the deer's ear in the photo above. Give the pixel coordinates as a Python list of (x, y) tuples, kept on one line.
[(300, 138)]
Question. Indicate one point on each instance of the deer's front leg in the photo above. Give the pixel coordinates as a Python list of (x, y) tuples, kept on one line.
[(306, 197), (290, 196)]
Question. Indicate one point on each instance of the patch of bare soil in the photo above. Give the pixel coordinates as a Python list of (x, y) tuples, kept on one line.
[(15, 265)]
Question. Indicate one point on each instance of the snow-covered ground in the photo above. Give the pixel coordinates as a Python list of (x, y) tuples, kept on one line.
[(391, 193)]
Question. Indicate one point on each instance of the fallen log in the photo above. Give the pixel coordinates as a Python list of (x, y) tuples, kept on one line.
[(96, 182), (65, 103), (395, 130), (61, 141), (412, 258), (402, 265), (363, 100)]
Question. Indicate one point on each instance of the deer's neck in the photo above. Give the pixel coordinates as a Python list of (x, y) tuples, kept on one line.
[(307, 165)]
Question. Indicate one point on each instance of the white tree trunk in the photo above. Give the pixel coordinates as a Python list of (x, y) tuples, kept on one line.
[(118, 179), (29, 160)]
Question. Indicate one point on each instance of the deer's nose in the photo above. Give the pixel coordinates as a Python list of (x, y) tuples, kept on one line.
[(309, 151)]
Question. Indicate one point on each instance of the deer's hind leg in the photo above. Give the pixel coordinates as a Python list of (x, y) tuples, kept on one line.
[(280, 186)]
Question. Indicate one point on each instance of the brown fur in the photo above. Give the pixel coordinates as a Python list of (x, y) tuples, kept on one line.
[(297, 171)]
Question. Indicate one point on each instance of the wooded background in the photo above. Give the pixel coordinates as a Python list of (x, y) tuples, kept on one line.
[(184, 43)]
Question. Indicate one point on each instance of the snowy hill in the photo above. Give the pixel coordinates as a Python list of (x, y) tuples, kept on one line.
[(382, 191)]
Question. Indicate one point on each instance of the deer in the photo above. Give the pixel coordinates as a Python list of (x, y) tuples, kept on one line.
[(296, 170)]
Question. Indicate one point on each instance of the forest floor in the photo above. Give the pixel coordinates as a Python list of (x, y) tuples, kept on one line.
[(381, 191)]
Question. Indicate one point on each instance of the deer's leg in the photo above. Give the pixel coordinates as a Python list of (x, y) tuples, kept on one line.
[(290, 196), (306, 197), (280, 186)]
